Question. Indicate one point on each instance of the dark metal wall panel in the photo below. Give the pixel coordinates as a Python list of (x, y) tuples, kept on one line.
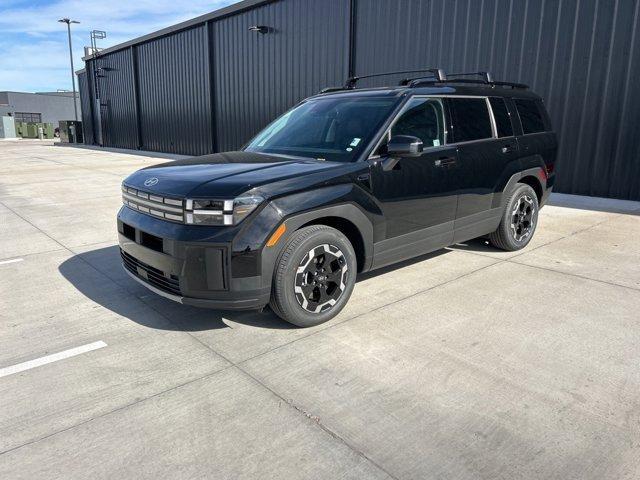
[(115, 91), (173, 79), (96, 113), (582, 56), (85, 105), (258, 76)]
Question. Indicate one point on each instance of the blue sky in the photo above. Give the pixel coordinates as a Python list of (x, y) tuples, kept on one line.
[(34, 51)]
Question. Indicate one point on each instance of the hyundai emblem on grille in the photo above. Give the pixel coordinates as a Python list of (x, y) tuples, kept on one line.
[(150, 182)]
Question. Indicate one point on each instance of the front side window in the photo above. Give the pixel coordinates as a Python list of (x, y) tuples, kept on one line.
[(423, 118), (470, 119), (501, 115), (334, 129), (530, 115)]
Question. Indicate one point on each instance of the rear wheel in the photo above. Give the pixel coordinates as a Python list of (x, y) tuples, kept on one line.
[(314, 276), (519, 220)]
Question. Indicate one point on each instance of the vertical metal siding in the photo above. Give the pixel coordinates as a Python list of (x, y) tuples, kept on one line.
[(85, 105), (96, 122), (582, 56), (173, 79), (217, 84), (259, 76), (117, 107)]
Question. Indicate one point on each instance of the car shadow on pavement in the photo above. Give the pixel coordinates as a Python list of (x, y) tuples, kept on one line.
[(98, 274)]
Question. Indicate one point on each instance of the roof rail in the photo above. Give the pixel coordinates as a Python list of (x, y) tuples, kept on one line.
[(420, 83), (437, 76), (486, 79)]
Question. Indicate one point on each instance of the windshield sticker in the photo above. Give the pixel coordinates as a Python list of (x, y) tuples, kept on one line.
[(436, 143), (355, 142)]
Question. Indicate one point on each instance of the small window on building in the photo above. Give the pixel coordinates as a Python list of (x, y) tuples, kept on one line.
[(28, 117), (530, 116), (470, 118), (501, 115), (423, 118)]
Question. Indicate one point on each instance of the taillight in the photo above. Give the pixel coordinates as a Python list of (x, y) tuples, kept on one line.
[(542, 173)]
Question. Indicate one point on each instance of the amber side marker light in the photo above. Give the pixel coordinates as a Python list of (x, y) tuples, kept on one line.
[(276, 235)]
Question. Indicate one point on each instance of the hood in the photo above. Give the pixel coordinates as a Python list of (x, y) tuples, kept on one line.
[(223, 175)]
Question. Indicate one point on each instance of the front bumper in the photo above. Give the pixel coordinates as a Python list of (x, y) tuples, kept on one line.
[(191, 265)]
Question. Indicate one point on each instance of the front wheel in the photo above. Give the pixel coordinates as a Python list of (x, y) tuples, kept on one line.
[(519, 220), (314, 276)]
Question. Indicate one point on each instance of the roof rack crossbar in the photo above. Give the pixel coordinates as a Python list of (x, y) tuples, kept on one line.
[(485, 75), (408, 81), (331, 89), (438, 73)]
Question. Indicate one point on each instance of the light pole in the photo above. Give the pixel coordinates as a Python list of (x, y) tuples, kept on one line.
[(68, 21)]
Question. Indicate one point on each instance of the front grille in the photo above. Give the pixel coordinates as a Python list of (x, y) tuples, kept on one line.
[(155, 205), (165, 282)]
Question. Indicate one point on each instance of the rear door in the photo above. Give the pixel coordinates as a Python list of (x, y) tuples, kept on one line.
[(485, 156)]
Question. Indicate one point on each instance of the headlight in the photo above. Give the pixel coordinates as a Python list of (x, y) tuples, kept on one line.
[(220, 212)]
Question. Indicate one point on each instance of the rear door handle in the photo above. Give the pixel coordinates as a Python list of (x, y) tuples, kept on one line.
[(445, 161), (508, 149)]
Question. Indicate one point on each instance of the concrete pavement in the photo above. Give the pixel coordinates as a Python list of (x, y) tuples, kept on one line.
[(465, 363)]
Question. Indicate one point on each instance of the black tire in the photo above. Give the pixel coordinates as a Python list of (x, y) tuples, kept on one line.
[(517, 227), (294, 296)]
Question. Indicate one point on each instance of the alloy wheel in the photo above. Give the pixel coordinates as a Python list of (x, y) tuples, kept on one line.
[(321, 278), (523, 218)]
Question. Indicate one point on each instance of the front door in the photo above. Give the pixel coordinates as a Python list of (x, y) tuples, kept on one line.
[(418, 196)]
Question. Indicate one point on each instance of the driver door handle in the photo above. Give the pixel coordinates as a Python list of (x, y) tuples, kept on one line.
[(445, 161)]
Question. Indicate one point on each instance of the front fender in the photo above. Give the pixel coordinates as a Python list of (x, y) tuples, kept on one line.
[(344, 201)]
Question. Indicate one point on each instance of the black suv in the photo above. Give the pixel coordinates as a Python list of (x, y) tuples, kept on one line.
[(347, 181)]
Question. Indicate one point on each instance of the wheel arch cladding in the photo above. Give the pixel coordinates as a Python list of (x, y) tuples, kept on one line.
[(349, 230), (346, 218), (534, 183)]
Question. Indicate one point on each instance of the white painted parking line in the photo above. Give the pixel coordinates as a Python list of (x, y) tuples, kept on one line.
[(13, 260), (38, 362)]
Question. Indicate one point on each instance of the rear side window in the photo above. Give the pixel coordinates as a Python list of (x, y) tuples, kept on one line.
[(501, 115), (470, 118), (530, 115)]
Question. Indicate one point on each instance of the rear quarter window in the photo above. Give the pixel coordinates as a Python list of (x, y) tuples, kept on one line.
[(501, 115), (531, 116), (470, 119)]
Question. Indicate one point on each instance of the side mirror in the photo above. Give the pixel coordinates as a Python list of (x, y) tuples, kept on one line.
[(404, 146)]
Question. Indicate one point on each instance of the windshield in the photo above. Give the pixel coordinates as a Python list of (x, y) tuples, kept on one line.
[(334, 129)]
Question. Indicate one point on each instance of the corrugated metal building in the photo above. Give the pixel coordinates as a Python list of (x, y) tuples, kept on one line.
[(209, 84)]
